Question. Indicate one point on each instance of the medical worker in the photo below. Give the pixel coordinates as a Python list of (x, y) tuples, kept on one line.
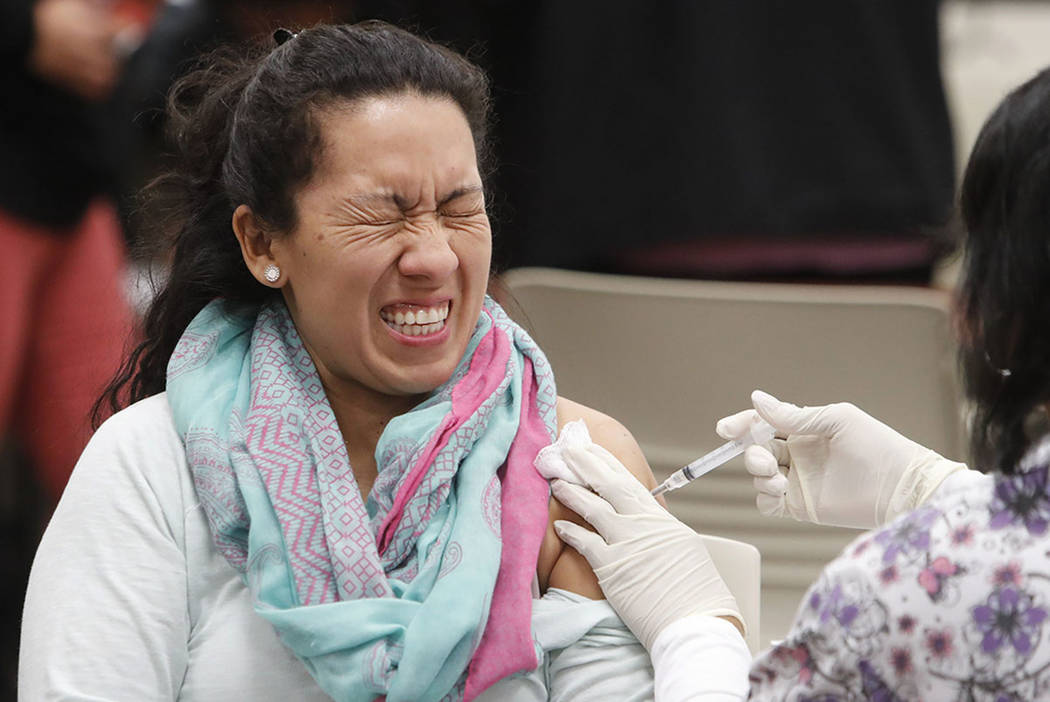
[(949, 596)]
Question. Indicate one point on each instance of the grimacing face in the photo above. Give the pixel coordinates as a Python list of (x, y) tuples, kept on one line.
[(386, 271)]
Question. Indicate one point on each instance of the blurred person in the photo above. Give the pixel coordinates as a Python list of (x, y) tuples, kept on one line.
[(63, 317), (715, 139), (325, 484), (949, 597), (63, 320)]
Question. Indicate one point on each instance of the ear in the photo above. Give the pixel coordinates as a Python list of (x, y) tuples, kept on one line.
[(255, 244)]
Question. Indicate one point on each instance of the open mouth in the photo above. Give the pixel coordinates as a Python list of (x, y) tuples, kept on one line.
[(415, 320)]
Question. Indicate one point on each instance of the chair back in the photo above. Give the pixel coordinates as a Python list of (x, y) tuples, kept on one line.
[(740, 565)]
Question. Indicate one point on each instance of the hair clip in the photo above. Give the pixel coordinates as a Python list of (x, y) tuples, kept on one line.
[(282, 35), (1003, 372)]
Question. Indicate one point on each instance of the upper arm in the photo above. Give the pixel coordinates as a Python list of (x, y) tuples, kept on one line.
[(611, 435), (106, 607), (563, 566)]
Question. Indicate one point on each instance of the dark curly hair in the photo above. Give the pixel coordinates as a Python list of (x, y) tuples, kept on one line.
[(1005, 292), (244, 128)]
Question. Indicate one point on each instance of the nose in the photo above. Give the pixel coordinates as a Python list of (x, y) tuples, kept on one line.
[(429, 256)]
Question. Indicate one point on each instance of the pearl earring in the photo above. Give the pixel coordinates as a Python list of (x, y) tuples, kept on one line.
[(272, 273)]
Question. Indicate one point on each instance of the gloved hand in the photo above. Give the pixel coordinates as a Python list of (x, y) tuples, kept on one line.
[(837, 466), (653, 569)]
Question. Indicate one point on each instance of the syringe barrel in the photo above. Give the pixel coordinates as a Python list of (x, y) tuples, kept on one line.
[(759, 433)]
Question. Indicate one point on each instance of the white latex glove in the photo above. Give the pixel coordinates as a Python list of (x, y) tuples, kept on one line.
[(653, 569), (837, 465)]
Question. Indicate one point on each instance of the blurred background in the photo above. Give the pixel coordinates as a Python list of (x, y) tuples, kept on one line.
[(788, 155)]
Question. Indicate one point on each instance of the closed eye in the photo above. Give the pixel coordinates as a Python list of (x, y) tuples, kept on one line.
[(461, 214)]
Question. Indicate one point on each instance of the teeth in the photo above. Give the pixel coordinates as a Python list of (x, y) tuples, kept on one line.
[(422, 315), (420, 321)]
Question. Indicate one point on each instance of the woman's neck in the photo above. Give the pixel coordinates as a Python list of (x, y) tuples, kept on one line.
[(363, 414)]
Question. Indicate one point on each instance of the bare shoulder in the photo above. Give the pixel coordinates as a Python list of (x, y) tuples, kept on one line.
[(561, 566), (610, 434)]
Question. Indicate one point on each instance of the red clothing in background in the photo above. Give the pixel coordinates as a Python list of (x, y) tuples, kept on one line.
[(64, 321)]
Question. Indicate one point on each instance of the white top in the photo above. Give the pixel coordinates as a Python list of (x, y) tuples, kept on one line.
[(129, 600)]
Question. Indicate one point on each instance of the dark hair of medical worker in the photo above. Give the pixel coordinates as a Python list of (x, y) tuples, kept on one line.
[(244, 132), (1005, 292)]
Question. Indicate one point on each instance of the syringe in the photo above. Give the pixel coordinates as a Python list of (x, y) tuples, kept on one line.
[(760, 433)]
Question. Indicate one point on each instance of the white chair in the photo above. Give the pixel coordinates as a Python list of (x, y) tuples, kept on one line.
[(668, 358), (740, 565)]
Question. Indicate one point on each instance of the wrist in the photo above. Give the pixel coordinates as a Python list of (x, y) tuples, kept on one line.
[(700, 657), (735, 621), (690, 626), (919, 481)]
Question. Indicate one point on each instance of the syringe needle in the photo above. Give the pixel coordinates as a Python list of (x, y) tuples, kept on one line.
[(760, 433)]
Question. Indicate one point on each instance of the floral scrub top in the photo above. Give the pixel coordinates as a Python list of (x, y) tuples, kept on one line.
[(950, 602)]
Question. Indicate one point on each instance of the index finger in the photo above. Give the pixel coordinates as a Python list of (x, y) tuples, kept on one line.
[(609, 477), (590, 507), (736, 425)]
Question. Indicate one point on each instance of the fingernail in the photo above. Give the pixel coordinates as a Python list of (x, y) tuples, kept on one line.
[(559, 488), (764, 401)]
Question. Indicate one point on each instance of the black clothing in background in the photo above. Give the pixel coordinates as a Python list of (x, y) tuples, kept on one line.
[(53, 160), (628, 124)]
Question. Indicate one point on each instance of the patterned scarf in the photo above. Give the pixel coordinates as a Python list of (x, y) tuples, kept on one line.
[(423, 593)]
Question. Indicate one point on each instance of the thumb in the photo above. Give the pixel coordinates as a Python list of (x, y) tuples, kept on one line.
[(787, 418)]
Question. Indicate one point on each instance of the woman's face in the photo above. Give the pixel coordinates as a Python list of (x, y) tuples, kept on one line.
[(386, 272)]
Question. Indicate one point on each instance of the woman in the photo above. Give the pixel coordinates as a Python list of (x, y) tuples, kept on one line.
[(950, 599), (334, 426)]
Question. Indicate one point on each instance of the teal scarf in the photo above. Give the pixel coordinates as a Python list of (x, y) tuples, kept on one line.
[(423, 593)]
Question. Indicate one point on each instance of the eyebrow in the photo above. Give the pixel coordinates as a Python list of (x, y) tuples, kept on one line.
[(404, 205)]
